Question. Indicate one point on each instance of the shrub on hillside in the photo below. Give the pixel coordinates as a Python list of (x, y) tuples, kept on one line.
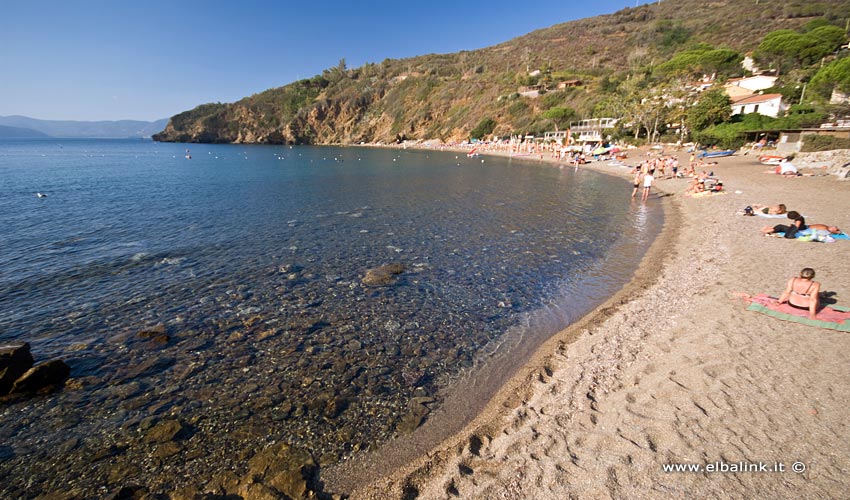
[(483, 129), (814, 142)]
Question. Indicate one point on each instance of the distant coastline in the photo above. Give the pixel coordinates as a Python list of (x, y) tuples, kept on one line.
[(24, 127), (7, 132)]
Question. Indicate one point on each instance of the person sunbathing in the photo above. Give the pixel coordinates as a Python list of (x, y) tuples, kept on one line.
[(698, 183), (802, 292), (770, 209), (824, 227), (798, 224)]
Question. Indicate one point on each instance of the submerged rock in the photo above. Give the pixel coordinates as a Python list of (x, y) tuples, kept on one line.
[(152, 332), (417, 412), (281, 469), (156, 334), (383, 275), (167, 431)]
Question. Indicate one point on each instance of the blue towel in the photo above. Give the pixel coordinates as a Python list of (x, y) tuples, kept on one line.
[(806, 233)]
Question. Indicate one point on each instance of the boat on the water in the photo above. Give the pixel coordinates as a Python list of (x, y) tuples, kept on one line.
[(716, 154)]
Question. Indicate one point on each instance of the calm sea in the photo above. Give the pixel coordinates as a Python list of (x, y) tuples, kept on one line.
[(247, 263)]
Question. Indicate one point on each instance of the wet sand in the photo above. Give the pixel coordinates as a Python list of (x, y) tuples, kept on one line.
[(671, 370)]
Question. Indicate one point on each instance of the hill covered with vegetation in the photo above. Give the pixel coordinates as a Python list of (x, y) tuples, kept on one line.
[(625, 65)]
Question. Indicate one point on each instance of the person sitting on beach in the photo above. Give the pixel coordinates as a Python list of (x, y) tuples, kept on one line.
[(698, 184), (798, 224), (770, 209), (802, 292)]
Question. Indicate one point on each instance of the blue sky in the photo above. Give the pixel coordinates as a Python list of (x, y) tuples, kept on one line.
[(145, 60)]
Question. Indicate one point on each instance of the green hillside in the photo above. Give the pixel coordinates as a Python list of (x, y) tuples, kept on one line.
[(611, 59)]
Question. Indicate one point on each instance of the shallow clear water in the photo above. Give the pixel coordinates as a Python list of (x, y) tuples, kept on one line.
[(252, 259)]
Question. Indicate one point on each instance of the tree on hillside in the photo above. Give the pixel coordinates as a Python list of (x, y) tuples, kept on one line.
[(702, 60), (713, 107), (815, 23), (832, 37), (835, 75), (483, 129), (788, 49), (672, 35), (560, 116)]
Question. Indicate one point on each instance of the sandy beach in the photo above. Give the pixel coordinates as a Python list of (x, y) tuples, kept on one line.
[(673, 370)]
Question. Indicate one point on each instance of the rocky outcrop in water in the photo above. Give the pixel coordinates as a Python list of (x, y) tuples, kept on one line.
[(19, 376), (15, 360)]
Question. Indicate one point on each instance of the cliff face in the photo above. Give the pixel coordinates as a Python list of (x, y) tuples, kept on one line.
[(446, 96)]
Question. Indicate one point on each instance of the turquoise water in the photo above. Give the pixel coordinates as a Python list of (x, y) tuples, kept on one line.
[(251, 259)]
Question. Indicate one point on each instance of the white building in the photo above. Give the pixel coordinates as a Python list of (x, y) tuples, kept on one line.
[(750, 84), (767, 104), (592, 130)]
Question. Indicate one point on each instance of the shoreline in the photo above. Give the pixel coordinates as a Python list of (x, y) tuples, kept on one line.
[(647, 378), (374, 465)]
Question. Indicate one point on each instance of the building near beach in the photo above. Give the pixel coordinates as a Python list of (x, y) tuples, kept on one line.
[(765, 104), (591, 130), (750, 84)]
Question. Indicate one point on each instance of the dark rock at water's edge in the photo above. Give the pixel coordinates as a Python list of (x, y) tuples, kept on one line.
[(15, 360), (19, 376), (46, 376)]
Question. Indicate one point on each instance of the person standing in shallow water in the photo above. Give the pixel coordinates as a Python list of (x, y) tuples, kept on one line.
[(647, 184), (638, 173)]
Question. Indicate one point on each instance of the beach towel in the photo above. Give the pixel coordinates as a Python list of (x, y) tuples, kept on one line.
[(772, 216), (704, 194), (831, 317), (816, 236)]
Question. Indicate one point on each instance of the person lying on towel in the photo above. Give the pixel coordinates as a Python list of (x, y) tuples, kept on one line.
[(798, 223)]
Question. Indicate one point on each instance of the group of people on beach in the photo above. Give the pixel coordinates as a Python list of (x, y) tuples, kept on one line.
[(800, 291), (644, 176), (658, 167), (792, 229)]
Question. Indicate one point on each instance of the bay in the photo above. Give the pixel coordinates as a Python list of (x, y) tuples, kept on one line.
[(250, 260)]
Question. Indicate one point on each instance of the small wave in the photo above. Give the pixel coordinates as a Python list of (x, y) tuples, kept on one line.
[(171, 261), (138, 257)]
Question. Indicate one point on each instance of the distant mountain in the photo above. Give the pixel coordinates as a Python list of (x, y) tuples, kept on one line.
[(121, 129), (20, 133)]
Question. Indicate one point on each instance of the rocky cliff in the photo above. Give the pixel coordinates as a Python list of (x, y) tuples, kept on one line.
[(446, 96)]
